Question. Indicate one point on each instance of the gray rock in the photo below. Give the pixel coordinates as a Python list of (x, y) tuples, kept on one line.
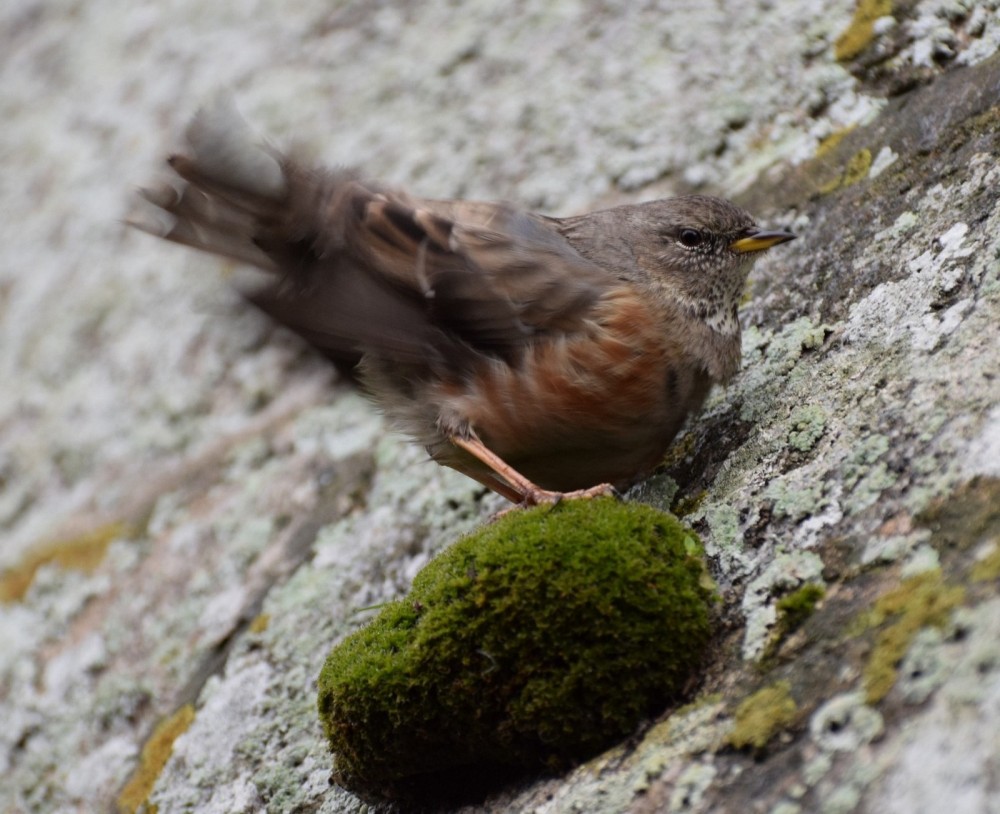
[(194, 508)]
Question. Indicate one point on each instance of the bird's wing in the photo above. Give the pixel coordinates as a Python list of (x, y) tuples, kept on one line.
[(491, 274), (355, 267)]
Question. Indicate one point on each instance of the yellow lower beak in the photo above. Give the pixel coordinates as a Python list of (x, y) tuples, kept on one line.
[(759, 241)]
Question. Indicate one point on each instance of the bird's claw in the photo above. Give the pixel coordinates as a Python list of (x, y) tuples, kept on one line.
[(543, 497)]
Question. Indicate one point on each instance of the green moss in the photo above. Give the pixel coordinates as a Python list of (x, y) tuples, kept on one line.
[(861, 30), (796, 607), (82, 553), (917, 603), (793, 611), (541, 639), (761, 716), (155, 753)]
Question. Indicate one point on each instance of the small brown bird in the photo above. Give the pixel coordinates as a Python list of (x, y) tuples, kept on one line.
[(544, 357)]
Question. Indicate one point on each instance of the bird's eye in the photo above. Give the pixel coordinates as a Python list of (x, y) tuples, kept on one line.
[(690, 238)]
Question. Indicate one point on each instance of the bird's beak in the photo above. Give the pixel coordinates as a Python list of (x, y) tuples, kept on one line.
[(757, 241)]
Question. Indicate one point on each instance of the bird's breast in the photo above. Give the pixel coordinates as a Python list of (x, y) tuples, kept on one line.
[(600, 404)]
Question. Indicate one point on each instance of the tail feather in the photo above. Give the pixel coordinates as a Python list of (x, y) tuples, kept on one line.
[(192, 219), (231, 195), (226, 184), (227, 154)]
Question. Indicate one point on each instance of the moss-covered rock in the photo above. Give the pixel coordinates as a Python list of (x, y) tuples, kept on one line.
[(534, 642)]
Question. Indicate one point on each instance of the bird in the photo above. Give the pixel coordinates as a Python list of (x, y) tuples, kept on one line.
[(544, 357)]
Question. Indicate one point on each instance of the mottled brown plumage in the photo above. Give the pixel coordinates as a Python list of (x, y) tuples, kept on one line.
[(537, 355)]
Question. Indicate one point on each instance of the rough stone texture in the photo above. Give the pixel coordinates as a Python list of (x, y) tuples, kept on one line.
[(205, 509)]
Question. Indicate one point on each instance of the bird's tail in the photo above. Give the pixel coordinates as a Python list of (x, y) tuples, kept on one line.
[(230, 194), (227, 189)]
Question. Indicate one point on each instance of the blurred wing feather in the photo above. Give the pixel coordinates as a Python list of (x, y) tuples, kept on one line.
[(357, 268)]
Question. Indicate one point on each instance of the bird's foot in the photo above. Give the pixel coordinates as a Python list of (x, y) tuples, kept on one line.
[(543, 497)]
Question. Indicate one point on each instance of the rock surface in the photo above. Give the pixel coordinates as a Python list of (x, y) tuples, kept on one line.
[(194, 508)]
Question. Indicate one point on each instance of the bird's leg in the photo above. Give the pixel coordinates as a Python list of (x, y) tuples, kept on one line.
[(512, 485), (491, 481)]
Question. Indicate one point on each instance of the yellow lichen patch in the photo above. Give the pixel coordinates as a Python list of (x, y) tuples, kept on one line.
[(861, 30), (830, 186), (761, 716), (678, 451), (83, 553), (260, 623), (857, 167), (988, 567), (829, 144), (921, 601), (153, 758)]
